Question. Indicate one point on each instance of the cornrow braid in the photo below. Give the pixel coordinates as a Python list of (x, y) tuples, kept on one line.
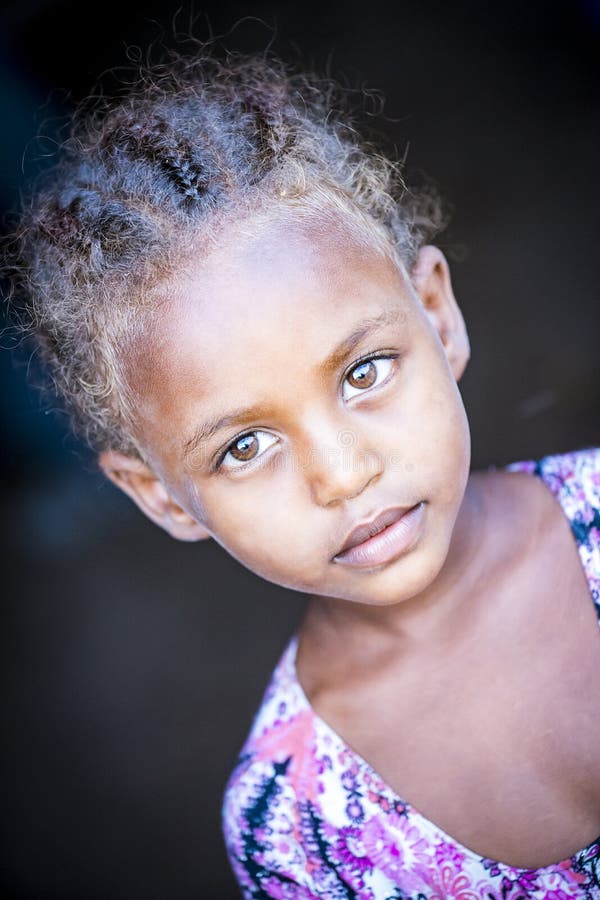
[(187, 166), (144, 175)]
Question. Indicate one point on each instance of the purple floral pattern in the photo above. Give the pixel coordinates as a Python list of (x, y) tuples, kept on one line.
[(305, 817)]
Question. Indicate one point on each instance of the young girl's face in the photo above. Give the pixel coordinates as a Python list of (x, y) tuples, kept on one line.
[(297, 387)]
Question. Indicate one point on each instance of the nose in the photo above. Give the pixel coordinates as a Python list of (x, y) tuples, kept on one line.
[(341, 468)]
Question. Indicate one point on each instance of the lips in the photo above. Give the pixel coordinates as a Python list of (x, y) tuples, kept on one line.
[(366, 530)]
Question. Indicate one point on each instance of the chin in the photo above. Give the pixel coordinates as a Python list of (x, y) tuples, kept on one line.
[(395, 583)]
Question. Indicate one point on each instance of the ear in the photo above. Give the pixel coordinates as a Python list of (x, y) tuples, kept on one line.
[(140, 483), (431, 278)]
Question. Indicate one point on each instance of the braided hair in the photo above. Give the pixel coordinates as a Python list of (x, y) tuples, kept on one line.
[(190, 143)]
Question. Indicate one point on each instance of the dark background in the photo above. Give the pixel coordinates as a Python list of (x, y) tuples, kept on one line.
[(132, 664)]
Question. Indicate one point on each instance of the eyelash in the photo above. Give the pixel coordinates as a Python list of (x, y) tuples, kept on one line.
[(355, 365)]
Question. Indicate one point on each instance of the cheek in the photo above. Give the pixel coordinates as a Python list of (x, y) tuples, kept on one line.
[(453, 444), (258, 524), (437, 431)]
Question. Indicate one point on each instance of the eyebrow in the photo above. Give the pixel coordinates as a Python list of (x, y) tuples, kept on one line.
[(244, 414)]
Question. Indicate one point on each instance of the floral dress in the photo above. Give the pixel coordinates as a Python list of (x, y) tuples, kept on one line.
[(305, 816)]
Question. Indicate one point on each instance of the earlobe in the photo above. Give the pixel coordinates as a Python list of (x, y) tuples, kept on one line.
[(147, 491), (431, 278)]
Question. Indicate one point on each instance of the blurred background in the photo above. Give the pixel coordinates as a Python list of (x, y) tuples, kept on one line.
[(132, 664)]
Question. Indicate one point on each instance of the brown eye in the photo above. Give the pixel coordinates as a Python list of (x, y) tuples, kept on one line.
[(364, 376), (245, 448)]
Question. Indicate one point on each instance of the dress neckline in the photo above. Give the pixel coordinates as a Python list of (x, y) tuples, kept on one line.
[(289, 662)]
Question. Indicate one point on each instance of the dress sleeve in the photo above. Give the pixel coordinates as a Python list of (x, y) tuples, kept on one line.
[(575, 480), (260, 826), (585, 522)]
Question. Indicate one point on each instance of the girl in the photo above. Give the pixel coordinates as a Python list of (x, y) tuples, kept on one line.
[(239, 304)]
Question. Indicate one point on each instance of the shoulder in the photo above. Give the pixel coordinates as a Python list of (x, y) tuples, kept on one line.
[(297, 792), (574, 478), (262, 803), (260, 827)]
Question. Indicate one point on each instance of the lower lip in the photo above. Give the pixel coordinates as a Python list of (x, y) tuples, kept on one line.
[(387, 545)]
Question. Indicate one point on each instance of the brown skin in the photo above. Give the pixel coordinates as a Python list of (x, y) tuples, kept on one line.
[(437, 642)]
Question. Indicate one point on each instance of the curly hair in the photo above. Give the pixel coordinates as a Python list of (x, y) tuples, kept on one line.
[(189, 144)]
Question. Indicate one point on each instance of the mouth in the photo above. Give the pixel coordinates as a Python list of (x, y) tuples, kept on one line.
[(383, 539)]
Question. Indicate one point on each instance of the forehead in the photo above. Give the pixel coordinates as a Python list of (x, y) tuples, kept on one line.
[(265, 275), (272, 297), (286, 259)]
